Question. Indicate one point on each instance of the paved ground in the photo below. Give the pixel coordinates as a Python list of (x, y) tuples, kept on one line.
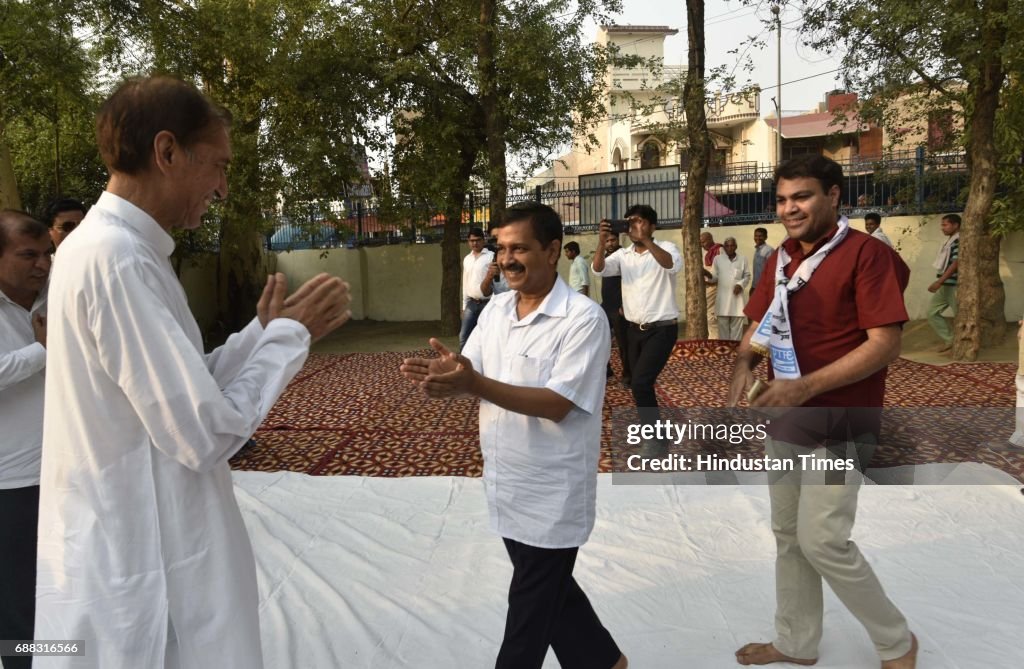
[(919, 342)]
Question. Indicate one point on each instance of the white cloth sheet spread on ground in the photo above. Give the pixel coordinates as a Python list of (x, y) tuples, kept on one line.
[(387, 573)]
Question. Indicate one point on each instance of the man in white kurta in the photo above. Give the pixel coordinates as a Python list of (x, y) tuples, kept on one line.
[(143, 554), (730, 271), (537, 360)]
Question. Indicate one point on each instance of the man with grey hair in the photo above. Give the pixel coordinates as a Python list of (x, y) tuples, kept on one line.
[(143, 554), (730, 272), (24, 267), (711, 251)]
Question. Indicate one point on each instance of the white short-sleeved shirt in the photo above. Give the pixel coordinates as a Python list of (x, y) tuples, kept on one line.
[(474, 271), (540, 476), (648, 289), (22, 370)]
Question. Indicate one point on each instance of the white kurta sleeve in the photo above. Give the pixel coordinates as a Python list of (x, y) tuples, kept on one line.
[(227, 360), (187, 414), (714, 271), (18, 365)]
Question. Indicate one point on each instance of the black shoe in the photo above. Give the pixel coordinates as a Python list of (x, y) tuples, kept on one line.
[(653, 449)]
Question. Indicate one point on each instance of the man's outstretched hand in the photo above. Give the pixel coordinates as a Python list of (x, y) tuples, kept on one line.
[(320, 304), (447, 375)]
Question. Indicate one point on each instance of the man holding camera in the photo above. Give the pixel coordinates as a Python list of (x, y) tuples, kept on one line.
[(648, 270)]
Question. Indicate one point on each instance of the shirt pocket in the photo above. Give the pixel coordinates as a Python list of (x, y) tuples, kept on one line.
[(530, 372)]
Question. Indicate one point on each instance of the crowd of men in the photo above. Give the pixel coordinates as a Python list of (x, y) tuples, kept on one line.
[(118, 427)]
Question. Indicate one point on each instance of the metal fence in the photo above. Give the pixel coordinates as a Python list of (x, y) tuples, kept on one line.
[(914, 182)]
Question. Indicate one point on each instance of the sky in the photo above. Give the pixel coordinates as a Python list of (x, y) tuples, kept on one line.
[(727, 24)]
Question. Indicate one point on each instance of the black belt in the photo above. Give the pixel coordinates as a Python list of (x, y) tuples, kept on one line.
[(644, 327), (473, 299)]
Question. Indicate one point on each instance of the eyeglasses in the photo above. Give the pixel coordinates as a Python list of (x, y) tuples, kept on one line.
[(67, 226)]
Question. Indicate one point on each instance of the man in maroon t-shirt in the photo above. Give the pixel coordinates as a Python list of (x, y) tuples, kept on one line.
[(842, 318)]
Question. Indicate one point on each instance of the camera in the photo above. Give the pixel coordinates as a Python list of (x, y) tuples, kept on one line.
[(620, 226)]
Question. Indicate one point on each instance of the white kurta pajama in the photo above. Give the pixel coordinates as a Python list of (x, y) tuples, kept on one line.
[(142, 549), (729, 273)]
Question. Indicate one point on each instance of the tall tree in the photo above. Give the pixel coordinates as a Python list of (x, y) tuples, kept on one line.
[(479, 80), (699, 148), (956, 59), (46, 104), (274, 64)]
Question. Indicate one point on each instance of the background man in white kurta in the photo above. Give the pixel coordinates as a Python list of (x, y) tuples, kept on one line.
[(142, 549), (24, 266), (730, 271), (536, 361)]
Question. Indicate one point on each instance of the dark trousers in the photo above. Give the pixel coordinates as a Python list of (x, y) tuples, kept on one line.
[(546, 607), (469, 318), (617, 322), (649, 351), (19, 517)]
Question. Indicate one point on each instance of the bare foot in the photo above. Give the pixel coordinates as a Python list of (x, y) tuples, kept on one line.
[(766, 653), (908, 661), (622, 663)]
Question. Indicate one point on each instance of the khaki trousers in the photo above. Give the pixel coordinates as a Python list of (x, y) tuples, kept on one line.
[(711, 294), (812, 523)]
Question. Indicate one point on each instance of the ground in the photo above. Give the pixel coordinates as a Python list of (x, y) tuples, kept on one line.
[(919, 341)]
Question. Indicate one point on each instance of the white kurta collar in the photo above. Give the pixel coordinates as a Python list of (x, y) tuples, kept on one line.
[(138, 220)]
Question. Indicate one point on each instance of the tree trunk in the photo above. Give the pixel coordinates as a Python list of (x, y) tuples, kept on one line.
[(241, 264), (697, 175), (980, 319), (494, 119), (451, 259), (9, 198)]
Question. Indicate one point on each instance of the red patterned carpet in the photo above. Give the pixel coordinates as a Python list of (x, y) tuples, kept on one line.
[(354, 414)]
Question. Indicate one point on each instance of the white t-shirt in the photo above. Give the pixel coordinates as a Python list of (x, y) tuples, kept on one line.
[(474, 271)]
